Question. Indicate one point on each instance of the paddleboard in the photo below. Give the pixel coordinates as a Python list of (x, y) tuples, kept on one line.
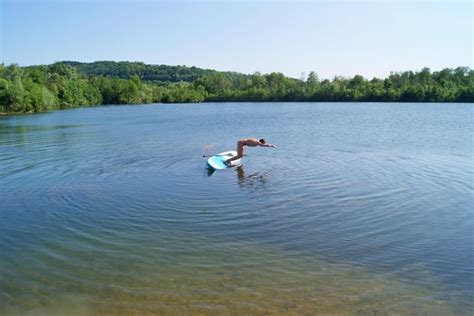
[(217, 162)]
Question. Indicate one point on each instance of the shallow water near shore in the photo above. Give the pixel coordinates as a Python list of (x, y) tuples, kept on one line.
[(362, 209)]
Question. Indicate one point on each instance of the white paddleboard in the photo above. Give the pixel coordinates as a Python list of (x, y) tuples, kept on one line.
[(217, 162)]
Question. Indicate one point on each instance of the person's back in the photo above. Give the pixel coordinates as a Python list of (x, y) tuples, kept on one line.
[(251, 142)]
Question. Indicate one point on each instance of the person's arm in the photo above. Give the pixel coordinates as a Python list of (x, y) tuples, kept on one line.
[(268, 145)]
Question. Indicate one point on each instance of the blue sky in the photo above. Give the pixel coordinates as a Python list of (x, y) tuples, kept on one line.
[(332, 38)]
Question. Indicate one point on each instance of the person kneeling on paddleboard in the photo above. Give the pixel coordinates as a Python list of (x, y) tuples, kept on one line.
[(251, 142)]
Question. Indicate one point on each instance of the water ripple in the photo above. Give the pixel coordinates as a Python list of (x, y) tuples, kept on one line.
[(124, 210)]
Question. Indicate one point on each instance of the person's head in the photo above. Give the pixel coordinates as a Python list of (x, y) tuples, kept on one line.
[(262, 141)]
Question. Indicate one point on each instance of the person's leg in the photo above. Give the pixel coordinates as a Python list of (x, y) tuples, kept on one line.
[(240, 153)]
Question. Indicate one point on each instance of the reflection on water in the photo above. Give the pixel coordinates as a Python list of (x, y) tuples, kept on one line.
[(255, 182), (109, 211), (210, 171)]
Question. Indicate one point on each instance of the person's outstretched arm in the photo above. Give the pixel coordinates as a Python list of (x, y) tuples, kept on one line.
[(268, 145)]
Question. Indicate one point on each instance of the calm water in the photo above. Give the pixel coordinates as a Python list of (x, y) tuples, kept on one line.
[(363, 208)]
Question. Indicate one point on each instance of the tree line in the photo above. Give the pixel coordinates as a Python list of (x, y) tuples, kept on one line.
[(71, 84), (150, 73)]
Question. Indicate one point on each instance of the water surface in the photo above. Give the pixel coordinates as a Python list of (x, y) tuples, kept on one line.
[(363, 208)]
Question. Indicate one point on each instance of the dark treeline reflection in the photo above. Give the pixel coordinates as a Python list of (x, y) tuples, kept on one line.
[(72, 84)]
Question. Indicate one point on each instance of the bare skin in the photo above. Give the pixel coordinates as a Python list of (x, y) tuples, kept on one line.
[(250, 142)]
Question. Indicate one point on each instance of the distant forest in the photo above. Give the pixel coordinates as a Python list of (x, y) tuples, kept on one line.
[(72, 84)]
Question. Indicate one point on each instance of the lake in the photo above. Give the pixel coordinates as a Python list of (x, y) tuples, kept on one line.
[(364, 208)]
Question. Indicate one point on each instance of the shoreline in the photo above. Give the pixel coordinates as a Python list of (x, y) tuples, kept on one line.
[(216, 102)]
